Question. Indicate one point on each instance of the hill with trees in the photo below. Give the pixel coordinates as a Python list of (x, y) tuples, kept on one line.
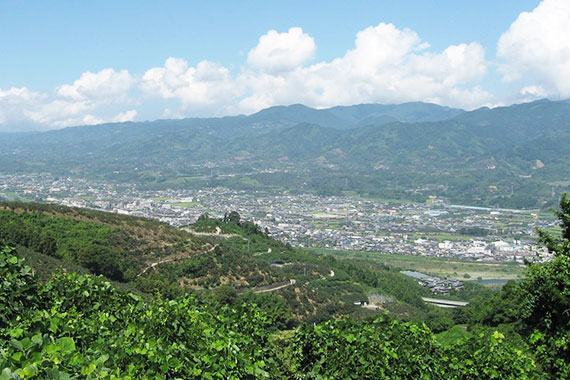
[(79, 327), (508, 156), (227, 258)]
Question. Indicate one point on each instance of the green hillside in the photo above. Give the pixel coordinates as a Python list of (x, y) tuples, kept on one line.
[(508, 156), (78, 327), (151, 257)]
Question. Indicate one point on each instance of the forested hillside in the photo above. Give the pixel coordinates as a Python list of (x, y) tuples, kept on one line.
[(507, 156), (220, 258)]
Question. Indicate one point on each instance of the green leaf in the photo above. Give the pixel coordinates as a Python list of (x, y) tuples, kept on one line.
[(6, 374), (67, 344)]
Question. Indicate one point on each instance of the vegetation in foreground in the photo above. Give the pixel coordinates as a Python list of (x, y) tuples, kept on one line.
[(77, 326)]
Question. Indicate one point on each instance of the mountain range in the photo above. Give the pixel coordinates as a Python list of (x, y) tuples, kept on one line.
[(513, 156)]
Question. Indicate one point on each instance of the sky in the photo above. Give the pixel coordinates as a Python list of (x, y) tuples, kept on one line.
[(66, 63)]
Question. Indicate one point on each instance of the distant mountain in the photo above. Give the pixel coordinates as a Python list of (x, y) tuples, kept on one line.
[(371, 149), (346, 117)]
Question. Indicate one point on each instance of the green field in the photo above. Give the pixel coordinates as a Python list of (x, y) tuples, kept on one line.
[(185, 204), (440, 237), (15, 197), (441, 267), (160, 199)]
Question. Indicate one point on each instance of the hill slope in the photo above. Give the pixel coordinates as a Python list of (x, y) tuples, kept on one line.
[(518, 151), (213, 258)]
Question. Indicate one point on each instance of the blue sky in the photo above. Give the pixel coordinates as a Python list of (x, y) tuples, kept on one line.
[(85, 62)]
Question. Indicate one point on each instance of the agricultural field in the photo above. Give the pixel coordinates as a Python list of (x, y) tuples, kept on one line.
[(185, 204), (440, 267)]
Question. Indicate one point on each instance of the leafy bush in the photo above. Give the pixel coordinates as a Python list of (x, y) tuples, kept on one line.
[(77, 326)]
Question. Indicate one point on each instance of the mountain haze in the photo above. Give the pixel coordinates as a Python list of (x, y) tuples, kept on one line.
[(371, 149)]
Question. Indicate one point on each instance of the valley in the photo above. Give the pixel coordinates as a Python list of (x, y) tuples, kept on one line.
[(344, 222), (507, 157)]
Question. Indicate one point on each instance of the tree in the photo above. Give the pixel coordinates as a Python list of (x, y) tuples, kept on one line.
[(546, 313), (225, 295), (232, 217)]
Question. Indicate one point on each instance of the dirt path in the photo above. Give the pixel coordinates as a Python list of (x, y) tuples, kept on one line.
[(153, 265), (218, 233), (168, 260), (276, 287)]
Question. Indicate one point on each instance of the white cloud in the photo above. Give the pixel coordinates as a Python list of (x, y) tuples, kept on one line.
[(13, 105), (87, 101), (385, 65), (57, 111), (207, 86), (125, 116), (537, 45), (17, 95), (280, 52), (106, 84)]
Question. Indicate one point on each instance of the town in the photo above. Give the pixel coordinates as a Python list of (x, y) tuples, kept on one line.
[(434, 228)]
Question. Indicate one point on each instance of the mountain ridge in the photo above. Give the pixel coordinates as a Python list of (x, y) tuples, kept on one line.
[(357, 145)]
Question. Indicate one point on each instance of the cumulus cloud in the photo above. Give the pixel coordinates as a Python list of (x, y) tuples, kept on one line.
[(85, 101), (125, 116), (207, 86), (106, 84), (280, 52), (16, 95), (537, 46), (13, 105), (57, 111), (386, 65)]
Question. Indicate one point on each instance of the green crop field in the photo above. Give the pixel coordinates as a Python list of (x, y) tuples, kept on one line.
[(441, 267), (185, 204), (15, 197), (160, 199)]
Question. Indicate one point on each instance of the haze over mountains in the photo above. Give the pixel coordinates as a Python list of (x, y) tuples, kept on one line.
[(510, 156)]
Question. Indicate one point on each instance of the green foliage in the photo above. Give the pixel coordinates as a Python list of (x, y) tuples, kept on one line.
[(539, 305), (17, 287), (387, 349), (77, 325), (488, 357), (380, 349), (85, 243), (225, 295), (81, 327)]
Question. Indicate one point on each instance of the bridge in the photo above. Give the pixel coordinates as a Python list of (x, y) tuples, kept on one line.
[(445, 303)]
